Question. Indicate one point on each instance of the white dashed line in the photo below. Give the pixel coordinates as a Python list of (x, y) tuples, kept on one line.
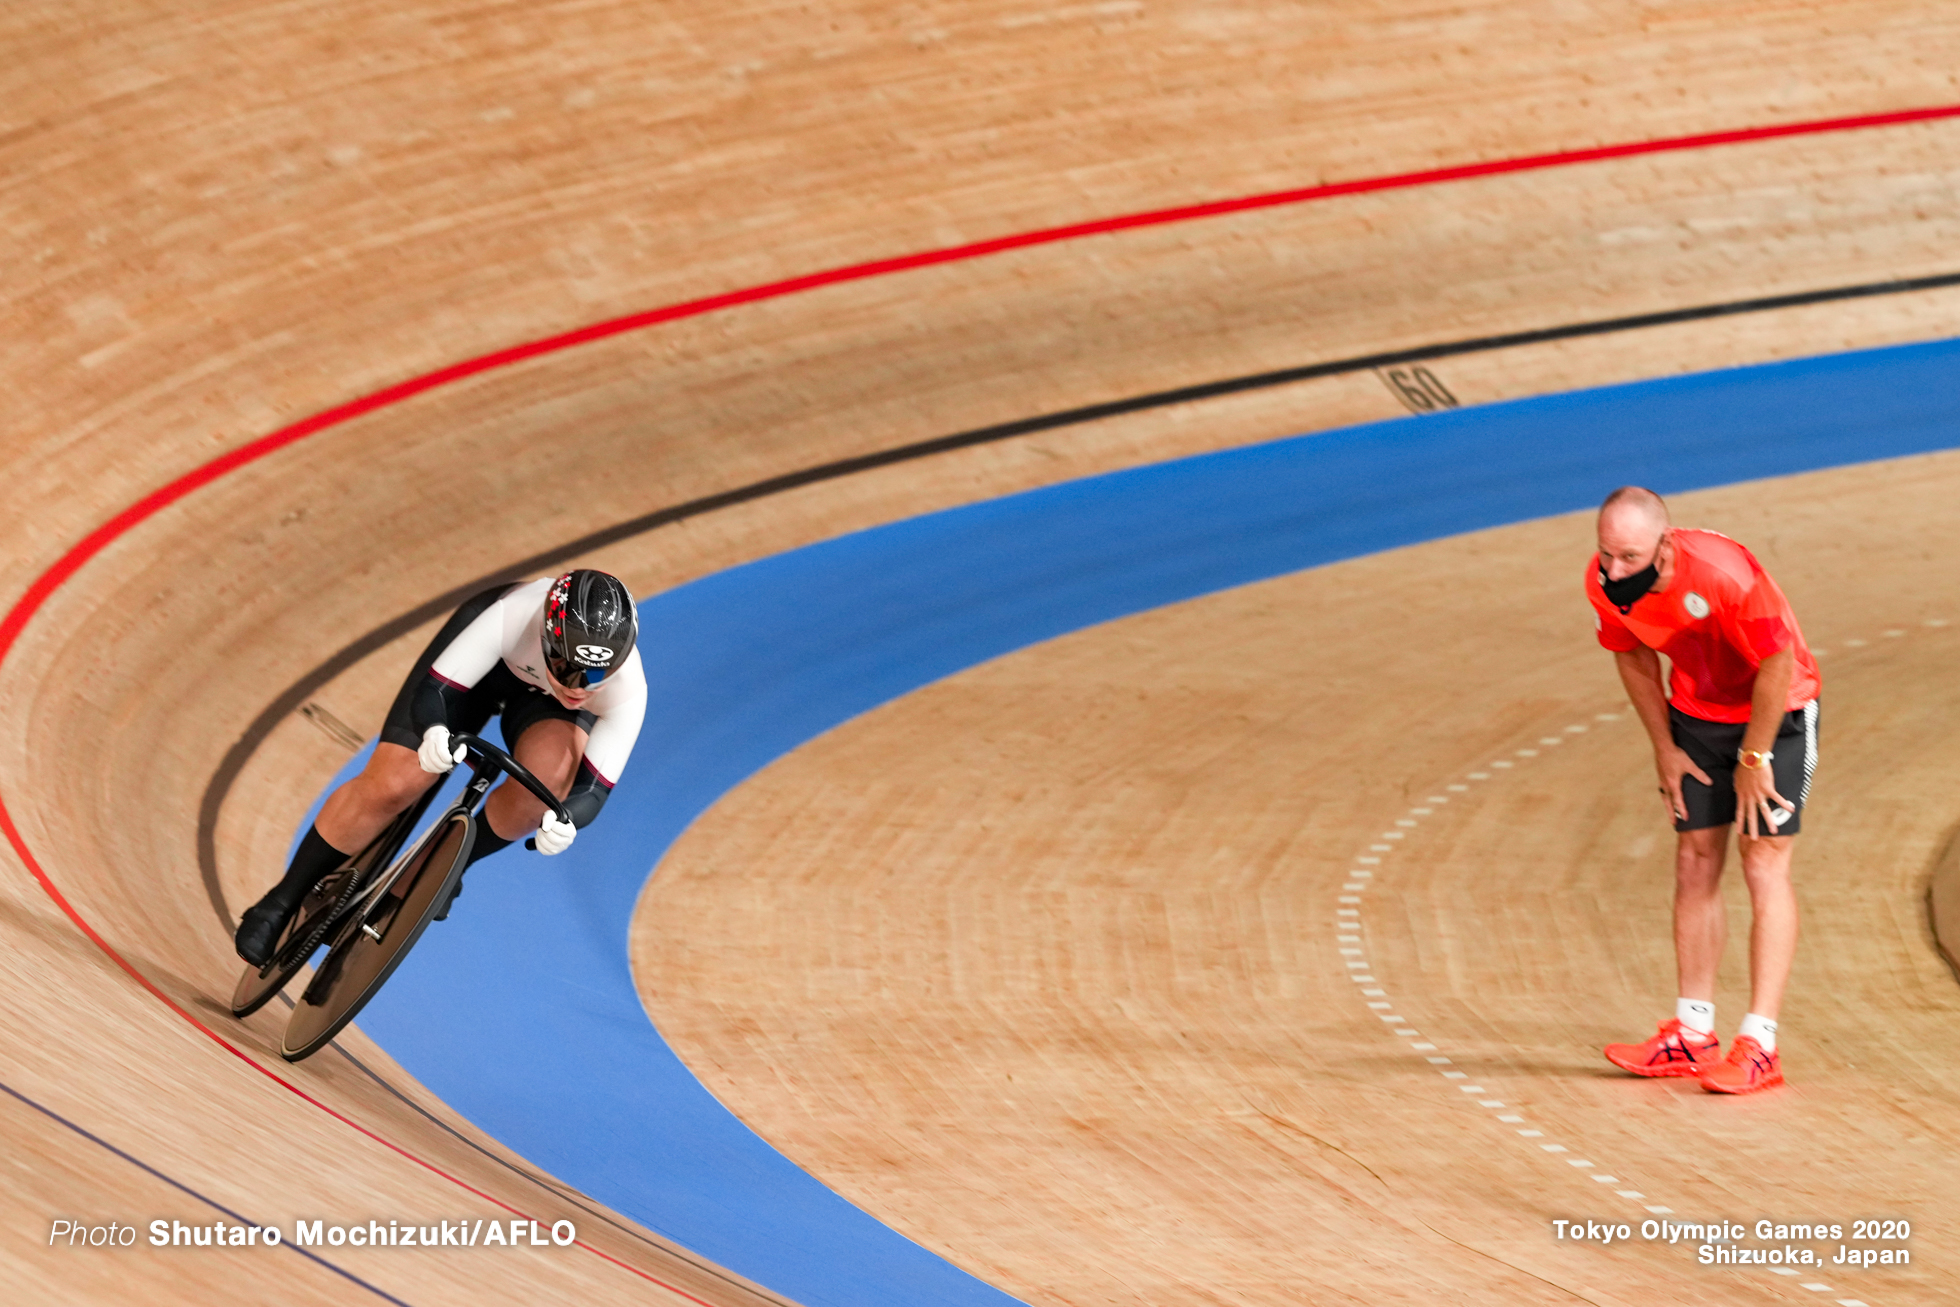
[(1350, 895)]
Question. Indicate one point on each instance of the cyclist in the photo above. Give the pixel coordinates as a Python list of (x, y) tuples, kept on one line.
[(558, 659)]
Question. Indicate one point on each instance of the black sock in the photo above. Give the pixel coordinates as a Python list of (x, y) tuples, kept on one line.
[(312, 860), (487, 843)]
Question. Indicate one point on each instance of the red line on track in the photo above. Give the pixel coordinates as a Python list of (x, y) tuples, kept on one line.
[(99, 539)]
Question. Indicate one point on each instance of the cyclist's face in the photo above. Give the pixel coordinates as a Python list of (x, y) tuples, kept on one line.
[(569, 697)]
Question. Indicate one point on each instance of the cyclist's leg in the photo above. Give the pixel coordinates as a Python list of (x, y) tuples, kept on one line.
[(550, 748), (354, 814), (358, 811), (546, 737)]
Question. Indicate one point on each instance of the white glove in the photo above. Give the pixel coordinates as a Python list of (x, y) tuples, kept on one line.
[(435, 755), (555, 836)]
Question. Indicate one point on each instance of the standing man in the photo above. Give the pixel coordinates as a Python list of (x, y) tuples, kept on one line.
[(1734, 745)]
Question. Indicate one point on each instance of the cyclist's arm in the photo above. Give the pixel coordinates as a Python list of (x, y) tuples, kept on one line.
[(457, 668), (588, 794), (609, 745)]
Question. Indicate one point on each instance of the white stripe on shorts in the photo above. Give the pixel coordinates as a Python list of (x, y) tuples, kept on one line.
[(1809, 749)]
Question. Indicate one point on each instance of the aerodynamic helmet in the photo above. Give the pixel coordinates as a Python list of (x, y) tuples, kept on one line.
[(589, 628)]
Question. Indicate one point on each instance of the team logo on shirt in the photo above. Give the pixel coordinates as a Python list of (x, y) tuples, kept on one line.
[(1697, 606)]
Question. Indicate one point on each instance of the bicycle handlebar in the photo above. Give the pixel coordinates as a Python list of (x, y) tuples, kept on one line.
[(511, 767)]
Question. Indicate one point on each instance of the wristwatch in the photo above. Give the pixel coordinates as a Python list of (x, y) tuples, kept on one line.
[(1753, 757)]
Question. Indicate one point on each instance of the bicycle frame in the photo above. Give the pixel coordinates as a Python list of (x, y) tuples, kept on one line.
[(383, 919)]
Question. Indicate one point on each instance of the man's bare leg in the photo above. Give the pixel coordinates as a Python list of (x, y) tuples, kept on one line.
[(352, 815), (356, 812), (1701, 927), (1753, 1061), (1773, 931), (551, 750)]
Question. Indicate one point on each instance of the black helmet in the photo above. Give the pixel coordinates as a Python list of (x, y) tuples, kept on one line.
[(589, 628)]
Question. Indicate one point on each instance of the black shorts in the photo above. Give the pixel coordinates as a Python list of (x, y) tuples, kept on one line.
[(1713, 746), (523, 705)]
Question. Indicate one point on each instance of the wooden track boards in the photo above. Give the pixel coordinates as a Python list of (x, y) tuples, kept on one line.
[(233, 221), (1100, 899)]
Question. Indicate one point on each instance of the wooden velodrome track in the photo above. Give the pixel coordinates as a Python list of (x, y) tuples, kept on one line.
[(1036, 964)]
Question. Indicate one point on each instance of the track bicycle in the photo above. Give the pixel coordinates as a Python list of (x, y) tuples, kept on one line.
[(370, 912)]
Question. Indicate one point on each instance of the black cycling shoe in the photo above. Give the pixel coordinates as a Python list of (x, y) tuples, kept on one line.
[(455, 892), (258, 932)]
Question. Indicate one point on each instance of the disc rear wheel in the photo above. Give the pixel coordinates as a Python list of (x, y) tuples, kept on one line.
[(372, 941)]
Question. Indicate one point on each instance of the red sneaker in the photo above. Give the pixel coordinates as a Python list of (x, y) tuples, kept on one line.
[(1747, 1069), (1674, 1051)]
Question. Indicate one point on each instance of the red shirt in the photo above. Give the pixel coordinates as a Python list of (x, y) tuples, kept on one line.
[(1720, 616)]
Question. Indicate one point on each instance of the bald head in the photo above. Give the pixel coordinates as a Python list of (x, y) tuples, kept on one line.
[(1633, 523), (1636, 503)]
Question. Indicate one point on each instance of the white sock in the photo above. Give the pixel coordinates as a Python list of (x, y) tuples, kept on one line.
[(1760, 1029), (1696, 1014)]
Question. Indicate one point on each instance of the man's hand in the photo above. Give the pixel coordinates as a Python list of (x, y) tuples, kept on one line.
[(555, 836), (435, 755), (1755, 790), (1673, 762)]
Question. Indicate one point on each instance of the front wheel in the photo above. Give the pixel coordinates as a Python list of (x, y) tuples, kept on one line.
[(373, 940)]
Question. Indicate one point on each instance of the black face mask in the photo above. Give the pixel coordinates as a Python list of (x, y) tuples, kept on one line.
[(1623, 593)]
